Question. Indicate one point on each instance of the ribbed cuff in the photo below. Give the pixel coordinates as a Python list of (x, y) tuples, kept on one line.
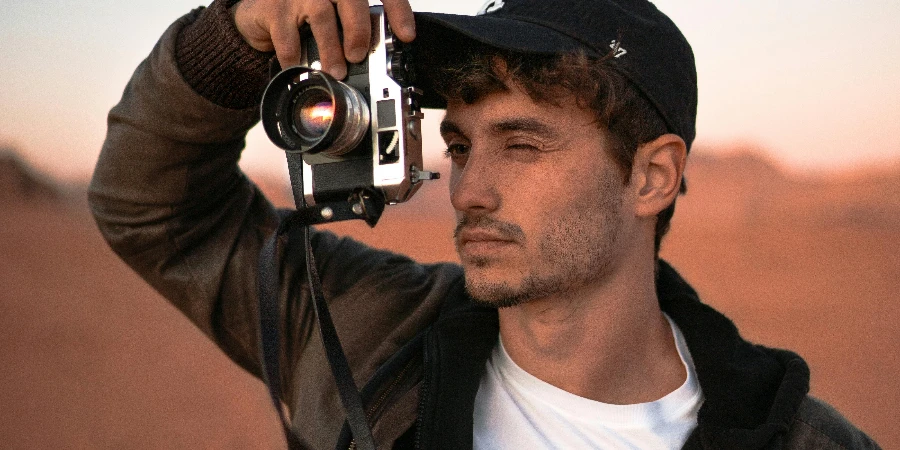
[(215, 60)]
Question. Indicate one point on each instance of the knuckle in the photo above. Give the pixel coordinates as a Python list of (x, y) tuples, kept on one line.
[(357, 37), (319, 11)]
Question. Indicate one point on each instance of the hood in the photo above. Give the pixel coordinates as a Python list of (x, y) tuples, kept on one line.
[(752, 392)]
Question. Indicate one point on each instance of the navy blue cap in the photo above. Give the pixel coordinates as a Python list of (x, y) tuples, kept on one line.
[(649, 50)]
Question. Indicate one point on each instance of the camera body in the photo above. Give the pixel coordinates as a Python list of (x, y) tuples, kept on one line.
[(360, 134)]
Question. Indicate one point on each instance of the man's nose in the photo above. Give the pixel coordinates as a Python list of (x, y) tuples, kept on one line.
[(473, 186)]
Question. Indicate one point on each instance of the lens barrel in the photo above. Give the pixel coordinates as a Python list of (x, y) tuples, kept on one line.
[(305, 110)]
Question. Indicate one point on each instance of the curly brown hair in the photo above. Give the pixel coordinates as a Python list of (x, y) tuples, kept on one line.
[(619, 107)]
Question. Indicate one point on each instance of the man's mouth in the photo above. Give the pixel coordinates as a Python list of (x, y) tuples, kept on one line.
[(483, 236), (481, 240)]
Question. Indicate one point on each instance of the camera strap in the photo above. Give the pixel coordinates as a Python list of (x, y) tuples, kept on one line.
[(269, 315), (267, 291)]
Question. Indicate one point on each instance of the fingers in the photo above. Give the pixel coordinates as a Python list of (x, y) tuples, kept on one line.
[(323, 22), (400, 15), (274, 24), (357, 25), (357, 28), (286, 41)]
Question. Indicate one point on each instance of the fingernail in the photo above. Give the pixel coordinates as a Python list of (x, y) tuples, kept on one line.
[(356, 54), (338, 71), (409, 30)]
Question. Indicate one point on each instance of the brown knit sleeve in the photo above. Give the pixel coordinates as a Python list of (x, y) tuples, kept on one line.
[(216, 61)]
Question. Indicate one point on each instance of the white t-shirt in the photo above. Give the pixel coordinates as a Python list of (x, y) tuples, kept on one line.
[(515, 410)]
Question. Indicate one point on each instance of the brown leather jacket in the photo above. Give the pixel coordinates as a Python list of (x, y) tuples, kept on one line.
[(169, 197)]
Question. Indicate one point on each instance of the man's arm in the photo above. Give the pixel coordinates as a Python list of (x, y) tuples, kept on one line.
[(167, 192), (169, 197)]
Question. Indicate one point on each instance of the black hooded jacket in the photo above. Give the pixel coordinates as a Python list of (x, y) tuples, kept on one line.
[(755, 397)]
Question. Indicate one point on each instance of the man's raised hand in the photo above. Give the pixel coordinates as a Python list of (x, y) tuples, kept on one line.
[(274, 25)]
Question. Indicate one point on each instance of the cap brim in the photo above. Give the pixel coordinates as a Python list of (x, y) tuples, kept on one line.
[(501, 32), (498, 32)]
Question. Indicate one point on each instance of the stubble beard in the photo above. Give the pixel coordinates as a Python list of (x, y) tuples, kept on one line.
[(573, 252)]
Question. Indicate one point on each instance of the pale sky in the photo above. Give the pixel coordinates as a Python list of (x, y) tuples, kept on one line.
[(816, 83)]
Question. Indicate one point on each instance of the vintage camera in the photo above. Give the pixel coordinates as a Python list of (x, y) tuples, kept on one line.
[(355, 141)]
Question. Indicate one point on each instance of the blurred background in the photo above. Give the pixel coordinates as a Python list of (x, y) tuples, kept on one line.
[(789, 226)]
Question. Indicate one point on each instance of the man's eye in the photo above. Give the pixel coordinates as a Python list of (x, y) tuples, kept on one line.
[(523, 145), (527, 147), (456, 150)]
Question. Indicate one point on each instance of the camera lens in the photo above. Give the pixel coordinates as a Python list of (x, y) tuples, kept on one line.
[(308, 111), (313, 113)]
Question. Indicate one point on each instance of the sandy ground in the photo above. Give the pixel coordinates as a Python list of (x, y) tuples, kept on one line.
[(93, 358)]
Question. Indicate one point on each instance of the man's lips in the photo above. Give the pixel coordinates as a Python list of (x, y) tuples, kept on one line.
[(476, 236), (484, 236), (483, 244)]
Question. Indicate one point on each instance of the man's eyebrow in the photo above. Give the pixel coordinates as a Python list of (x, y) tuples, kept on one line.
[(448, 127), (525, 124)]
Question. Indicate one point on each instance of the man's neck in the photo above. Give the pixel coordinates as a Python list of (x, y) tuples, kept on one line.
[(607, 342)]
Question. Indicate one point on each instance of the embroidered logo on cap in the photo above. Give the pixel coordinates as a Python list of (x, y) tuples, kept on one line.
[(618, 50), (490, 6)]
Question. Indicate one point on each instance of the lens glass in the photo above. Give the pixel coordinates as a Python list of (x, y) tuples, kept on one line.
[(313, 113)]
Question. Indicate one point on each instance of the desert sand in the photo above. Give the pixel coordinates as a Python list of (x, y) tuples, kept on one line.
[(92, 357)]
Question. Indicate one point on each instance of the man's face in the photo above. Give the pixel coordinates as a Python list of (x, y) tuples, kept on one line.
[(541, 205)]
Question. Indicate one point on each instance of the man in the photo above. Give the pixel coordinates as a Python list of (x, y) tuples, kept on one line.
[(568, 125)]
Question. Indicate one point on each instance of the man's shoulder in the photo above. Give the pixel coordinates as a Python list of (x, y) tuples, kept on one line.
[(818, 425), (350, 267)]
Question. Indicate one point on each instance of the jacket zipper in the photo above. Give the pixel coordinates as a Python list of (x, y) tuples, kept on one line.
[(384, 395), (423, 392)]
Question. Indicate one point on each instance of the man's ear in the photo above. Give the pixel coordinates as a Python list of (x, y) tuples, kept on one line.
[(656, 174)]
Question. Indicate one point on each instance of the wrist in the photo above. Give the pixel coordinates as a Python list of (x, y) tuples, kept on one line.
[(216, 61)]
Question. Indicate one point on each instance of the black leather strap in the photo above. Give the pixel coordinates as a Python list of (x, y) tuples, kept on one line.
[(340, 368), (267, 290), (391, 368), (269, 316)]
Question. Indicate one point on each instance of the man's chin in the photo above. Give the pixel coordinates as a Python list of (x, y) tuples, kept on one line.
[(495, 296), (492, 286), (489, 288)]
